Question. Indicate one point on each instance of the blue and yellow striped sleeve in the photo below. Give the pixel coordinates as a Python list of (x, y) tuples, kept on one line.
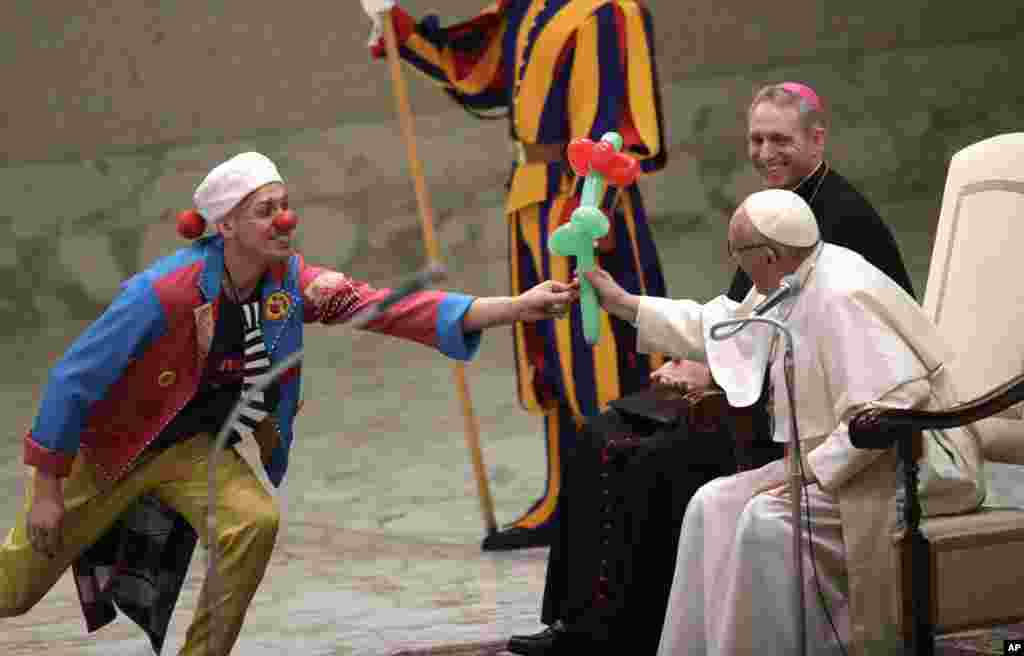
[(466, 58), (613, 83)]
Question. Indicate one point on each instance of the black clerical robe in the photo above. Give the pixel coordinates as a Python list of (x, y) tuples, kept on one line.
[(632, 473)]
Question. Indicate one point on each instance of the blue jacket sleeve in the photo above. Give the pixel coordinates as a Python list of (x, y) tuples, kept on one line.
[(451, 340), (94, 362)]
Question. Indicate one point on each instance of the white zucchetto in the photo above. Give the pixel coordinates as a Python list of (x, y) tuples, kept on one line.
[(782, 216)]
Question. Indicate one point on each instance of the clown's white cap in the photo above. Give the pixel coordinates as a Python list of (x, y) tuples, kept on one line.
[(231, 181)]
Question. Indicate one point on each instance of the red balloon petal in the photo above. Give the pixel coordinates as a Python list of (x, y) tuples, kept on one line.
[(623, 171), (191, 224), (579, 152), (603, 156)]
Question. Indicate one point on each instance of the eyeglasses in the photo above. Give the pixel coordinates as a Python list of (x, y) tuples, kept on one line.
[(736, 252)]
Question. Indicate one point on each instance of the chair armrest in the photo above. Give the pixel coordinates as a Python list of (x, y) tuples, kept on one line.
[(1002, 439), (880, 428)]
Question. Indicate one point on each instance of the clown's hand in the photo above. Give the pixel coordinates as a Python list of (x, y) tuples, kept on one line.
[(373, 9), (548, 300)]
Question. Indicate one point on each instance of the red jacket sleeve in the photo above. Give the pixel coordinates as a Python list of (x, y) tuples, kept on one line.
[(431, 318)]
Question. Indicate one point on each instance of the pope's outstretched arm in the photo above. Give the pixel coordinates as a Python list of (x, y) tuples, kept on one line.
[(663, 325)]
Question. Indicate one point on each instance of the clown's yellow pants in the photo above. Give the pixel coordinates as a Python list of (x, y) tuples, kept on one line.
[(247, 521)]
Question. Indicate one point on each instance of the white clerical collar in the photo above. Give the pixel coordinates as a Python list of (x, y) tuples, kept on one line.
[(803, 274), (806, 268)]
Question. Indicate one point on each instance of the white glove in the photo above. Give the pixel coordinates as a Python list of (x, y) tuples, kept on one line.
[(373, 9)]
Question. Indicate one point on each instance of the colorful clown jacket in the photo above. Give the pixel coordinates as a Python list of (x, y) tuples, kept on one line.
[(559, 70), (147, 352), (134, 369)]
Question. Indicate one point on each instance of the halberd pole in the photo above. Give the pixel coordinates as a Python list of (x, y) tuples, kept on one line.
[(472, 430)]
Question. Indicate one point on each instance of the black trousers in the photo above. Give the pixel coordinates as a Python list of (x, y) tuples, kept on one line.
[(624, 492)]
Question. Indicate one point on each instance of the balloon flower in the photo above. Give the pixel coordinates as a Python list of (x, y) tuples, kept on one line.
[(602, 163)]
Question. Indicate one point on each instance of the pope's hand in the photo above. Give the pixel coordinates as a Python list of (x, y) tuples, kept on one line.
[(612, 297), (548, 300)]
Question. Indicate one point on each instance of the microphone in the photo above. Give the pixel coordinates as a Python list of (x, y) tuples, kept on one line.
[(788, 286)]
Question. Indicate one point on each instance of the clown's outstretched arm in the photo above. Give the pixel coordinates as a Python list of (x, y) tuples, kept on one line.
[(449, 322), (544, 301)]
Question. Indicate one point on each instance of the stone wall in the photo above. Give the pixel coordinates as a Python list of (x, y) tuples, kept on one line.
[(115, 114)]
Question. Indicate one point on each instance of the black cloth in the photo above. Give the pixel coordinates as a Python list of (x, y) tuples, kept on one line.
[(221, 384), (624, 493), (847, 219), (138, 567)]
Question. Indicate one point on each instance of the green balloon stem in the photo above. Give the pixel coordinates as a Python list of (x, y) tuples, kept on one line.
[(589, 306), (592, 188)]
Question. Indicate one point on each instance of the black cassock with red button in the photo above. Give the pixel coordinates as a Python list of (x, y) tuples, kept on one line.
[(624, 493)]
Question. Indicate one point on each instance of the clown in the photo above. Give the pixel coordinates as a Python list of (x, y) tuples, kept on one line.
[(120, 446)]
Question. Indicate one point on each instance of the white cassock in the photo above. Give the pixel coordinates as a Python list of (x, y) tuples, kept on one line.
[(859, 339)]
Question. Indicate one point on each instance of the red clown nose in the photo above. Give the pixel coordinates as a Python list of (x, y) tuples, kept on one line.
[(285, 221), (191, 224)]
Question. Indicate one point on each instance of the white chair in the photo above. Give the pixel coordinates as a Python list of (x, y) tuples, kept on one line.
[(965, 571)]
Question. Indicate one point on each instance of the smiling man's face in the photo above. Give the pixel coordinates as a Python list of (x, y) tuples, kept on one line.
[(782, 150)]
